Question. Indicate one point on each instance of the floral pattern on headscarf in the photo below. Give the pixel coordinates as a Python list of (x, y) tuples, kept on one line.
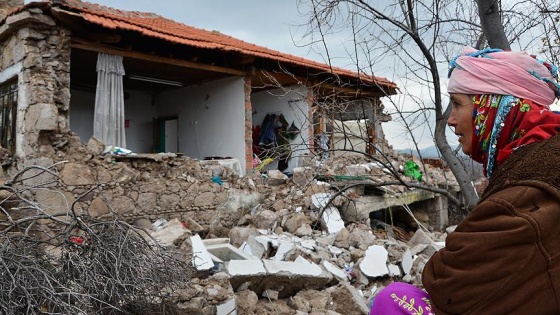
[(503, 123)]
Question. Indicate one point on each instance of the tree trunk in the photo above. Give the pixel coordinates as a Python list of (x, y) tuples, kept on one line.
[(491, 23)]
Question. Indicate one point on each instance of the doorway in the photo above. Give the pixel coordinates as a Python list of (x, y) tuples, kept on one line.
[(166, 135)]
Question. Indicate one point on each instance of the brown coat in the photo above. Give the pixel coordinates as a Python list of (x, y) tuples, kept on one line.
[(504, 258)]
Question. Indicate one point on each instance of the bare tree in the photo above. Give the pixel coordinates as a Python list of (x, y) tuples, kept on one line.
[(67, 262), (419, 38)]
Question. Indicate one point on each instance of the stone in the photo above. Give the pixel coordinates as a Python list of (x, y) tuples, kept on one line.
[(146, 201), (275, 178), (95, 146), (265, 219), (302, 176), (123, 205), (341, 239), (227, 308), (193, 226), (238, 235), (74, 174), (347, 300), (143, 223), (246, 302), (170, 232), (42, 117), (374, 263), (205, 199), (304, 230), (98, 207), (361, 237), (54, 201), (295, 221)]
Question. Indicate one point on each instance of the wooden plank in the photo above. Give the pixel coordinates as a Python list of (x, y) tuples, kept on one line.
[(82, 44)]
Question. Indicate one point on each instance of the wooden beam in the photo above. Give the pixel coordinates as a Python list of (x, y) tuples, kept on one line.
[(85, 45)]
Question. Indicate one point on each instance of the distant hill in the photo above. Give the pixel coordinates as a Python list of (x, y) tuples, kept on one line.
[(428, 152)]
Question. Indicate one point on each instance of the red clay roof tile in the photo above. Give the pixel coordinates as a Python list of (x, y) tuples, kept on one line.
[(153, 25)]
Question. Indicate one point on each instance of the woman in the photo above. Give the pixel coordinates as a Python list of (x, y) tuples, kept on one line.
[(504, 258)]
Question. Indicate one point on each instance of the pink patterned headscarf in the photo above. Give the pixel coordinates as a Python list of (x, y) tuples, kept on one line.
[(493, 71)]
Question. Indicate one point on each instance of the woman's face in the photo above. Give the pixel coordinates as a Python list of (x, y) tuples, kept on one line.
[(460, 120)]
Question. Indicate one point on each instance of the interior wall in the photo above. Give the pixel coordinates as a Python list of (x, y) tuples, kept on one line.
[(349, 135), (211, 118), (138, 112), (293, 106)]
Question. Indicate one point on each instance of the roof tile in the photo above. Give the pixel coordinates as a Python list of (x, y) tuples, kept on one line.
[(153, 25)]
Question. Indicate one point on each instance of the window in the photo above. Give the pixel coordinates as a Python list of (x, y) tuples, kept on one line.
[(8, 109)]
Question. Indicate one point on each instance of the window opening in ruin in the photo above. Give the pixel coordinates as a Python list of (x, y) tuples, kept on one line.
[(8, 109)]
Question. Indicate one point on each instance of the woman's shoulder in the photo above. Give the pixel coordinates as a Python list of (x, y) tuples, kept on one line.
[(533, 163)]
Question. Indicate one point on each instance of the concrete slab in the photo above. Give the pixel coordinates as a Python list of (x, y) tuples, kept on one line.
[(331, 220), (201, 259)]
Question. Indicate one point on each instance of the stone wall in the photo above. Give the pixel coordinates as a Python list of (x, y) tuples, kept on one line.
[(150, 186), (38, 53)]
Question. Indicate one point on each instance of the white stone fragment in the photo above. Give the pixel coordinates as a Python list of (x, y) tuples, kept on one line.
[(245, 267), (308, 244), (407, 261), (227, 308), (335, 250), (169, 232), (201, 259), (282, 250), (394, 270), (374, 263), (335, 270), (332, 220), (320, 200), (293, 268)]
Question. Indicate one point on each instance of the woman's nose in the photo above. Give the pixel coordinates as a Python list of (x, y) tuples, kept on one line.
[(452, 121)]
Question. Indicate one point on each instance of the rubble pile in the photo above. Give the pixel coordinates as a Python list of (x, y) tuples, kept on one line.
[(263, 243)]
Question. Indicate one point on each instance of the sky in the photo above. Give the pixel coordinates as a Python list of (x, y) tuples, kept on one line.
[(275, 24)]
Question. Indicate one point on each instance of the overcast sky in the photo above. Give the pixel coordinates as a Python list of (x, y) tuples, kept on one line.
[(275, 24)]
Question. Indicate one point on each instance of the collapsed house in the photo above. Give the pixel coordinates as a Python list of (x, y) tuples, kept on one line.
[(166, 120)]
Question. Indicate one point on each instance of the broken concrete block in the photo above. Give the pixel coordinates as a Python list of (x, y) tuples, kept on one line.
[(292, 268), (357, 170), (331, 220), (201, 259), (282, 250), (394, 270), (252, 267), (226, 252), (170, 232), (374, 263), (320, 201), (227, 308), (335, 270), (407, 261)]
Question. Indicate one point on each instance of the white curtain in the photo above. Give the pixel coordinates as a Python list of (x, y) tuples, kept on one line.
[(108, 121)]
